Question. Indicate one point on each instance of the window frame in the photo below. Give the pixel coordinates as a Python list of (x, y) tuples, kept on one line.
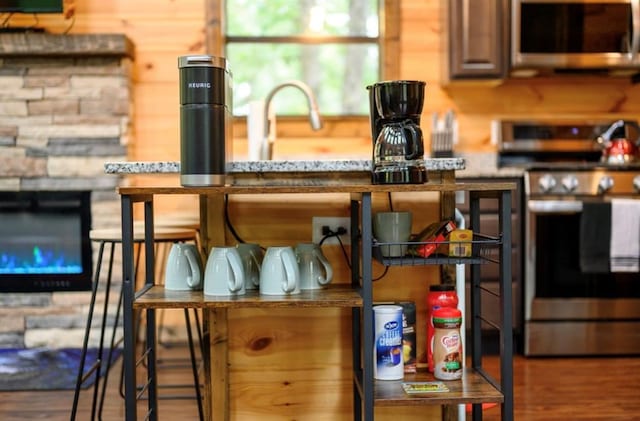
[(389, 43)]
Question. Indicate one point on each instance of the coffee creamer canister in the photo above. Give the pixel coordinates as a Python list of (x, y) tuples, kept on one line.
[(447, 344), (387, 325)]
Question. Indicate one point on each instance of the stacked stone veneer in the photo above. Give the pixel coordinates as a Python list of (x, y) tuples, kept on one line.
[(65, 110)]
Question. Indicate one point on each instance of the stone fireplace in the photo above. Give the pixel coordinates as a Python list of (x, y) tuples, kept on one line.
[(65, 110)]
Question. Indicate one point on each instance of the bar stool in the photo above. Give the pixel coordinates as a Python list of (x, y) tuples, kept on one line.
[(163, 237)]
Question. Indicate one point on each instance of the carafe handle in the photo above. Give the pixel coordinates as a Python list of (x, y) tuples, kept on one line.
[(415, 133)]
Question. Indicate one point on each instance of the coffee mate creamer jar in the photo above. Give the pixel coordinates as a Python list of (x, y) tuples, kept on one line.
[(387, 352), (447, 344)]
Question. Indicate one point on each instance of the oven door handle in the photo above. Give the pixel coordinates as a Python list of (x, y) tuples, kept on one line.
[(554, 206)]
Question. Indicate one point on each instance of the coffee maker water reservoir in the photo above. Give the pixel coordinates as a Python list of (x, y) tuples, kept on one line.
[(205, 119)]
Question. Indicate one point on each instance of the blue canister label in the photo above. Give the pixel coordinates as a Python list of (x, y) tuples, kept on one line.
[(388, 364)]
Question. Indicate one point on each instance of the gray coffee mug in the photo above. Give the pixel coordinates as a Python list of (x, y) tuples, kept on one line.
[(183, 270), (251, 255), (279, 274), (392, 228), (224, 274), (315, 269)]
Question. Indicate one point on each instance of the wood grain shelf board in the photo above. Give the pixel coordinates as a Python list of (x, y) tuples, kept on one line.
[(472, 388), (493, 188), (334, 296)]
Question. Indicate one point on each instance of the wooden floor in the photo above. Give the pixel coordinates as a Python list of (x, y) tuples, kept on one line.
[(546, 389)]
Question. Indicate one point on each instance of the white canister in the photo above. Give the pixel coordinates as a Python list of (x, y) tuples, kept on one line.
[(387, 351)]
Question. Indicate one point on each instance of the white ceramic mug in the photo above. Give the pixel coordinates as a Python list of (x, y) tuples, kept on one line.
[(390, 228), (251, 255), (183, 270), (315, 269), (279, 274), (224, 274)]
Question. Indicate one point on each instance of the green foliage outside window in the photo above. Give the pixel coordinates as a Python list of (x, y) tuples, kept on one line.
[(331, 45)]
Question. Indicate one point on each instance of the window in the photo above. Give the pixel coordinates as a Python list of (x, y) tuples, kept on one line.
[(331, 45)]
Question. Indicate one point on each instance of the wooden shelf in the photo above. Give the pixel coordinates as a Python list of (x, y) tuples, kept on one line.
[(492, 189), (472, 388), (333, 296)]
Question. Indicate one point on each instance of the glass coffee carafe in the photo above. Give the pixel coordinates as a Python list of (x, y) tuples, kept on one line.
[(398, 147)]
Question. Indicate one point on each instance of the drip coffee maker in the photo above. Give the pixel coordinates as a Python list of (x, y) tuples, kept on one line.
[(398, 148)]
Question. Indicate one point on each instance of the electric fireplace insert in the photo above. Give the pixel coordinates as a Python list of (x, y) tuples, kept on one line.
[(44, 241)]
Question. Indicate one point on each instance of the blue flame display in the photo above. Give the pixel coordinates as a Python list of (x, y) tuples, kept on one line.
[(38, 261)]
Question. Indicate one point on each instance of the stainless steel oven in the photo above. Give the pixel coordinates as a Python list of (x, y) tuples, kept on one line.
[(575, 34), (571, 305), (571, 308)]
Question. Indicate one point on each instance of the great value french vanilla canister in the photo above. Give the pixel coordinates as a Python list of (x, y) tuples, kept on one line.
[(387, 325)]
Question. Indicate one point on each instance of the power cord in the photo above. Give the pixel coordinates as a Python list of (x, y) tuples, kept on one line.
[(329, 233), (227, 220)]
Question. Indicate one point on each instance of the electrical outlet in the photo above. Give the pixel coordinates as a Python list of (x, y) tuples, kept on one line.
[(317, 222)]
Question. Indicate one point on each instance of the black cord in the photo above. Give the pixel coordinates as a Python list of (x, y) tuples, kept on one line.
[(390, 201), (336, 235), (227, 221)]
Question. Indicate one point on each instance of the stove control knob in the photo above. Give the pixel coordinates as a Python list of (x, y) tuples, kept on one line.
[(569, 183), (546, 183), (636, 183), (605, 184)]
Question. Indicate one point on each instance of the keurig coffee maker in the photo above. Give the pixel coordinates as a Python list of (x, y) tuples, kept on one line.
[(205, 120), (398, 148)]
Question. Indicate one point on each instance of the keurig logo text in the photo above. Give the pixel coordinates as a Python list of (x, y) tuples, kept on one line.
[(199, 85)]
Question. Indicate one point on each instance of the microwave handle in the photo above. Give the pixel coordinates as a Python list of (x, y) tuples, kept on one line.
[(635, 18)]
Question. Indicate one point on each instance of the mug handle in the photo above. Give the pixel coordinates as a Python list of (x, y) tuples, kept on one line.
[(238, 273), (328, 270), (256, 279), (291, 270), (195, 280)]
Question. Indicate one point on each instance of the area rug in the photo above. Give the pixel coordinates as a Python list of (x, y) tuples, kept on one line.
[(44, 368)]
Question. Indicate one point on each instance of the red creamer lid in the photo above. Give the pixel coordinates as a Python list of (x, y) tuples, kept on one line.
[(447, 313)]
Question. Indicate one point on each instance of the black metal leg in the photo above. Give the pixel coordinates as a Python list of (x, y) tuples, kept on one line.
[(367, 309), (113, 342), (83, 354), (194, 364), (506, 333), (128, 280)]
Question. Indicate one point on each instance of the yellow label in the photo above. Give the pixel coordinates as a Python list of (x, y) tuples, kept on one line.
[(460, 243)]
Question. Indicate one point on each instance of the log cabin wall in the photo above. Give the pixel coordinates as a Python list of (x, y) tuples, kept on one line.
[(288, 363)]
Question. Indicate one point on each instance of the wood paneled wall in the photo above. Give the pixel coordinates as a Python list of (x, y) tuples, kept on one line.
[(314, 382)]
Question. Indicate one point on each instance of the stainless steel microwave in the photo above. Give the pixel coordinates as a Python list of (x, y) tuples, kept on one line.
[(575, 34)]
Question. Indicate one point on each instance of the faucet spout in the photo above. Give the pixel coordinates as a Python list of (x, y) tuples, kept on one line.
[(270, 116)]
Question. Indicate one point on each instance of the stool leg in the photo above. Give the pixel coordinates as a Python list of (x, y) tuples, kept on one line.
[(85, 343), (113, 343), (194, 365), (137, 248), (103, 327)]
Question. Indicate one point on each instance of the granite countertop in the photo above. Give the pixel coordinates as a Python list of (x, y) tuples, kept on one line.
[(485, 165), (466, 165), (238, 167)]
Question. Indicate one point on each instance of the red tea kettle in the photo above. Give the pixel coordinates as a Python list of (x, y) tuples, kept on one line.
[(620, 143)]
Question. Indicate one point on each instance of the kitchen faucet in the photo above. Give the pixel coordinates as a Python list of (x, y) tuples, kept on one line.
[(269, 135)]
